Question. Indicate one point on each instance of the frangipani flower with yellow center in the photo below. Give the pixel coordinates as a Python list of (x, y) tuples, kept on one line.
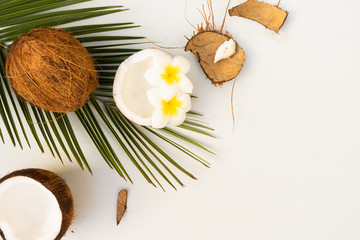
[(169, 74), (171, 112)]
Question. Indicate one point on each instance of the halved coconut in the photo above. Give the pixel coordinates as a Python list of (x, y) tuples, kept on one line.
[(205, 45), (130, 86), (35, 204)]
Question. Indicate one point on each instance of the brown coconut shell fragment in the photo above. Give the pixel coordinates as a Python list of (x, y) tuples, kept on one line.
[(270, 16), (57, 186), (121, 205), (204, 46), (50, 69)]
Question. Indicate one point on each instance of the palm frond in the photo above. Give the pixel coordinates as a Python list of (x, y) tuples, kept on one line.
[(1, 136), (55, 129)]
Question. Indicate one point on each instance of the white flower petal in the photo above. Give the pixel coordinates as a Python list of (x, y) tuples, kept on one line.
[(178, 118), (168, 91), (153, 76), (160, 62), (186, 102), (183, 63), (158, 119), (154, 97), (185, 84)]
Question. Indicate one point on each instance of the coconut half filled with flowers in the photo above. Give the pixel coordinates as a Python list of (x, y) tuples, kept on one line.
[(151, 88)]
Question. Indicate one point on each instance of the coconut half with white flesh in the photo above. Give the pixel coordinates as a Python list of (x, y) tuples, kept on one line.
[(35, 204), (130, 86), (220, 57)]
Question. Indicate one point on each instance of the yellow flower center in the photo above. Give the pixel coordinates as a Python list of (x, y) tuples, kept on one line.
[(171, 107), (171, 74)]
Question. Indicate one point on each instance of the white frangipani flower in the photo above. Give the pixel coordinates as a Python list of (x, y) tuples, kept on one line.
[(171, 112), (169, 74)]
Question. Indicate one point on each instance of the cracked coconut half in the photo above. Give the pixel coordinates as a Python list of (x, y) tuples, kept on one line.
[(219, 55), (35, 204)]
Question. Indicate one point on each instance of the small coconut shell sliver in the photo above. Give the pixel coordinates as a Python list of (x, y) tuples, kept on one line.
[(270, 16), (121, 205), (51, 69), (204, 46), (57, 186)]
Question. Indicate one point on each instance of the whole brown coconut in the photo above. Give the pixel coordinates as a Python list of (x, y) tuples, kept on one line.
[(51, 69)]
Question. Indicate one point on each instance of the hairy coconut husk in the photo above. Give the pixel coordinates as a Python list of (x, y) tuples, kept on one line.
[(204, 46), (50, 69), (270, 16), (57, 186)]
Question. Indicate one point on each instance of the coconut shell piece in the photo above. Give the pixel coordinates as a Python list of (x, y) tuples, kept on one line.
[(57, 186), (50, 69), (2, 235), (121, 205), (270, 16), (204, 46)]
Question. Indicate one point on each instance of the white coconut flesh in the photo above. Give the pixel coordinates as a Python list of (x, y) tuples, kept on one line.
[(130, 86), (225, 50), (28, 210)]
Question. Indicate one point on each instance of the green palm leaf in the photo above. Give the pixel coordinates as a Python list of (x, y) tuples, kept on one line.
[(138, 144)]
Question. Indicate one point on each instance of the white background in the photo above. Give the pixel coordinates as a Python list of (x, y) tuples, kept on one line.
[(290, 169)]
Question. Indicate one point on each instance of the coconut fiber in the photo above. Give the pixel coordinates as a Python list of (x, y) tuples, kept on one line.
[(50, 69)]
